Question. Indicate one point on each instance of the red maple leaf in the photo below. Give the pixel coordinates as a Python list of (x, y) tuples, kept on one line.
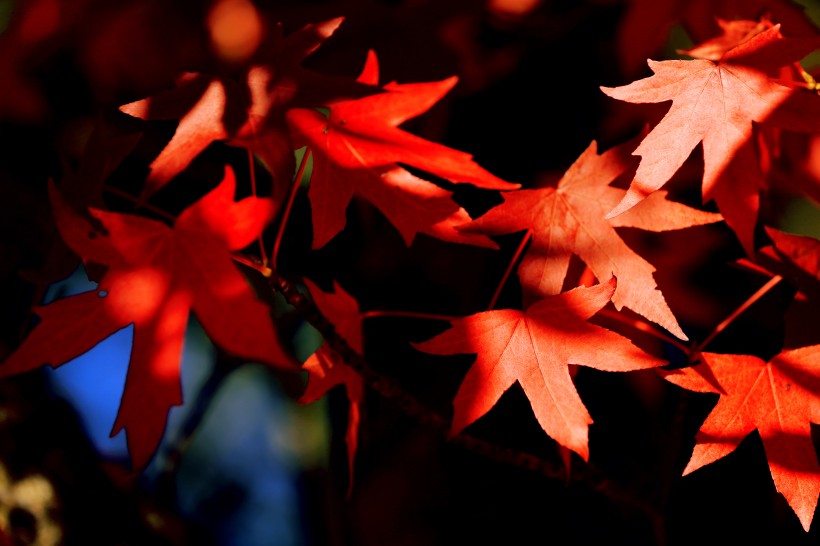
[(156, 276), (791, 161), (796, 257), (357, 148), (536, 347), (779, 399), (716, 103), (733, 33), (103, 153), (699, 17), (247, 113), (646, 24), (326, 369), (570, 219)]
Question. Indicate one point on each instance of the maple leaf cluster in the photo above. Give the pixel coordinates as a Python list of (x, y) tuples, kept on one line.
[(192, 231)]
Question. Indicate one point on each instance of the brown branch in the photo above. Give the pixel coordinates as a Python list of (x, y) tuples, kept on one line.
[(390, 389)]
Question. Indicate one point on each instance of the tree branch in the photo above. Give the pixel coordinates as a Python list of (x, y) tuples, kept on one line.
[(389, 388)]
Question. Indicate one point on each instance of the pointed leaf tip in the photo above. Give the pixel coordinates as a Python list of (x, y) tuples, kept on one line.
[(370, 71), (535, 348), (629, 200), (327, 28)]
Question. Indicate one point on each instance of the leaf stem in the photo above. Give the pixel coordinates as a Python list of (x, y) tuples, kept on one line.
[(810, 82), (645, 328), (253, 264), (406, 314), (747, 265), (289, 206), (252, 169), (508, 272), (736, 313)]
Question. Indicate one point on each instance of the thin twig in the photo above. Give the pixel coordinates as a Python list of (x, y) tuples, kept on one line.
[(253, 264), (509, 269), (252, 168), (736, 313), (407, 314), (289, 206), (646, 328)]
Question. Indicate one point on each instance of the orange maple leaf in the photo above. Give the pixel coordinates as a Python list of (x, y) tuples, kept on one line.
[(715, 103), (357, 148), (779, 399), (536, 347), (570, 219), (157, 275)]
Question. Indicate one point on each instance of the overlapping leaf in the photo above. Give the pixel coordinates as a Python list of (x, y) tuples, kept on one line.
[(780, 399), (797, 258), (535, 347), (570, 219), (357, 148), (715, 103), (646, 24), (247, 113), (156, 276)]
